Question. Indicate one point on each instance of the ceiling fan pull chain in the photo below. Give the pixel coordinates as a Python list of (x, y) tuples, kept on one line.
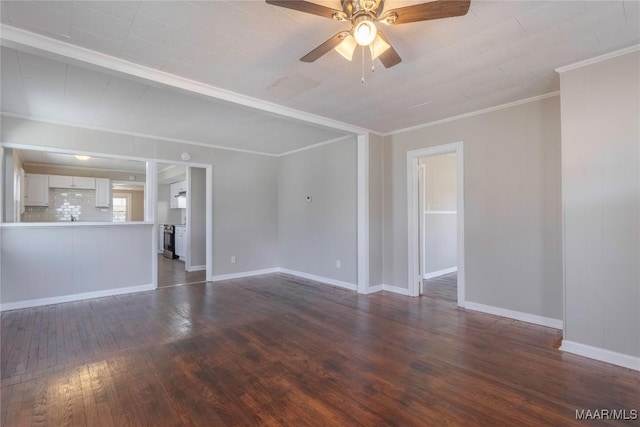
[(373, 61), (362, 74)]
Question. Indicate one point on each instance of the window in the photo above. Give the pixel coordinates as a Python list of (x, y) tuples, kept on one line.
[(121, 207)]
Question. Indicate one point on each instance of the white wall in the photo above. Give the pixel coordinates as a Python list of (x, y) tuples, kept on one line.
[(601, 201), (11, 160), (312, 236), (440, 236), (512, 205), (198, 220), (376, 210)]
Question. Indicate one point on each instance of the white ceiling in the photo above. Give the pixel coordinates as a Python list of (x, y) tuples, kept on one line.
[(501, 51)]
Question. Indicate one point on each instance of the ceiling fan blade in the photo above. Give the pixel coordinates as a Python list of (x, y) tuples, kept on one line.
[(306, 6), (325, 47), (389, 57), (427, 11)]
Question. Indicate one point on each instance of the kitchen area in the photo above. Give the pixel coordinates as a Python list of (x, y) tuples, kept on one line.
[(76, 225), (55, 187)]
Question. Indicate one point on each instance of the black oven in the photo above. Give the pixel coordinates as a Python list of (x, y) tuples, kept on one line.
[(169, 242)]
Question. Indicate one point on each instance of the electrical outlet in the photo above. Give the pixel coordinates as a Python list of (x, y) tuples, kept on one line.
[(338, 264), (233, 259)]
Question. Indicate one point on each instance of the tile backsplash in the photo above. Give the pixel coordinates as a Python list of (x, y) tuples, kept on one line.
[(64, 203)]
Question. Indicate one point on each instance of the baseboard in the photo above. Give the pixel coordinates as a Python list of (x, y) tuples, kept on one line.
[(197, 267), (242, 274), (333, 282), (440, 273), (517, 315), (388, 288), (74, 297), (601, 354), (395, 290), (374, 289)]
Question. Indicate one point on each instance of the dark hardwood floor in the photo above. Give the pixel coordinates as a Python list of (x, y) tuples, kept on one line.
[(443, 287), (272, 350), (171, 272)]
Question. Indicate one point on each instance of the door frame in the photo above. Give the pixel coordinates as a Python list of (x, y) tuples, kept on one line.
[(413, 215), (152, 202)]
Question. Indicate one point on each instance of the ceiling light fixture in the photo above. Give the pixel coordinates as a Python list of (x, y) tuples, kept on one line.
[(79, 157), (364, 15), (378, 47), (347, 47), (364, 30)]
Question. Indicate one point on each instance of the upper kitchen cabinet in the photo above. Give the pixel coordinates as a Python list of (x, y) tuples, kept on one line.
[(75, 182), (178, 195), (36, 190), (103, 192)]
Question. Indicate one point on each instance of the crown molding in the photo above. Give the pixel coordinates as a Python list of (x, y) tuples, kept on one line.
[(319, 144), (475, 113), (597, 59), (30, 42)]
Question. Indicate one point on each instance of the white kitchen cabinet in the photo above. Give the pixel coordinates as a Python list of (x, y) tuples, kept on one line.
[(182, 202), (177, 195), (179, 187), (75, 182), (36, 190), (181, 239), (173, 198), (83, 183), (103, 192), (59, 181)]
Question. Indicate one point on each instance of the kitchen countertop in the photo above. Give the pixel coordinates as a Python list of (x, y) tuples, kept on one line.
[(71, 224)]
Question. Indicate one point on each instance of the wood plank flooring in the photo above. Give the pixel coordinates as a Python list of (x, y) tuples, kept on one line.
[(171, 272), (443, 287), (274, 350)]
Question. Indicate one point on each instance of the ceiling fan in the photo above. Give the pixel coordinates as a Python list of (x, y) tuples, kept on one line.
[(363, 15)]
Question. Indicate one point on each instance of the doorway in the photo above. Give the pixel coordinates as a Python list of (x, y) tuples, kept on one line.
[(437, 224), (436, 221), (181, 224)]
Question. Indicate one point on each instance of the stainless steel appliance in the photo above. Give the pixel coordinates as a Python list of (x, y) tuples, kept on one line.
[(169, 242)]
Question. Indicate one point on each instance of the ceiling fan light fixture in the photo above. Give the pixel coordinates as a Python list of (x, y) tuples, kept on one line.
[(339, 16), (364, 30), (378, 47), (369, 5), (389, 18), (347, 47)]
